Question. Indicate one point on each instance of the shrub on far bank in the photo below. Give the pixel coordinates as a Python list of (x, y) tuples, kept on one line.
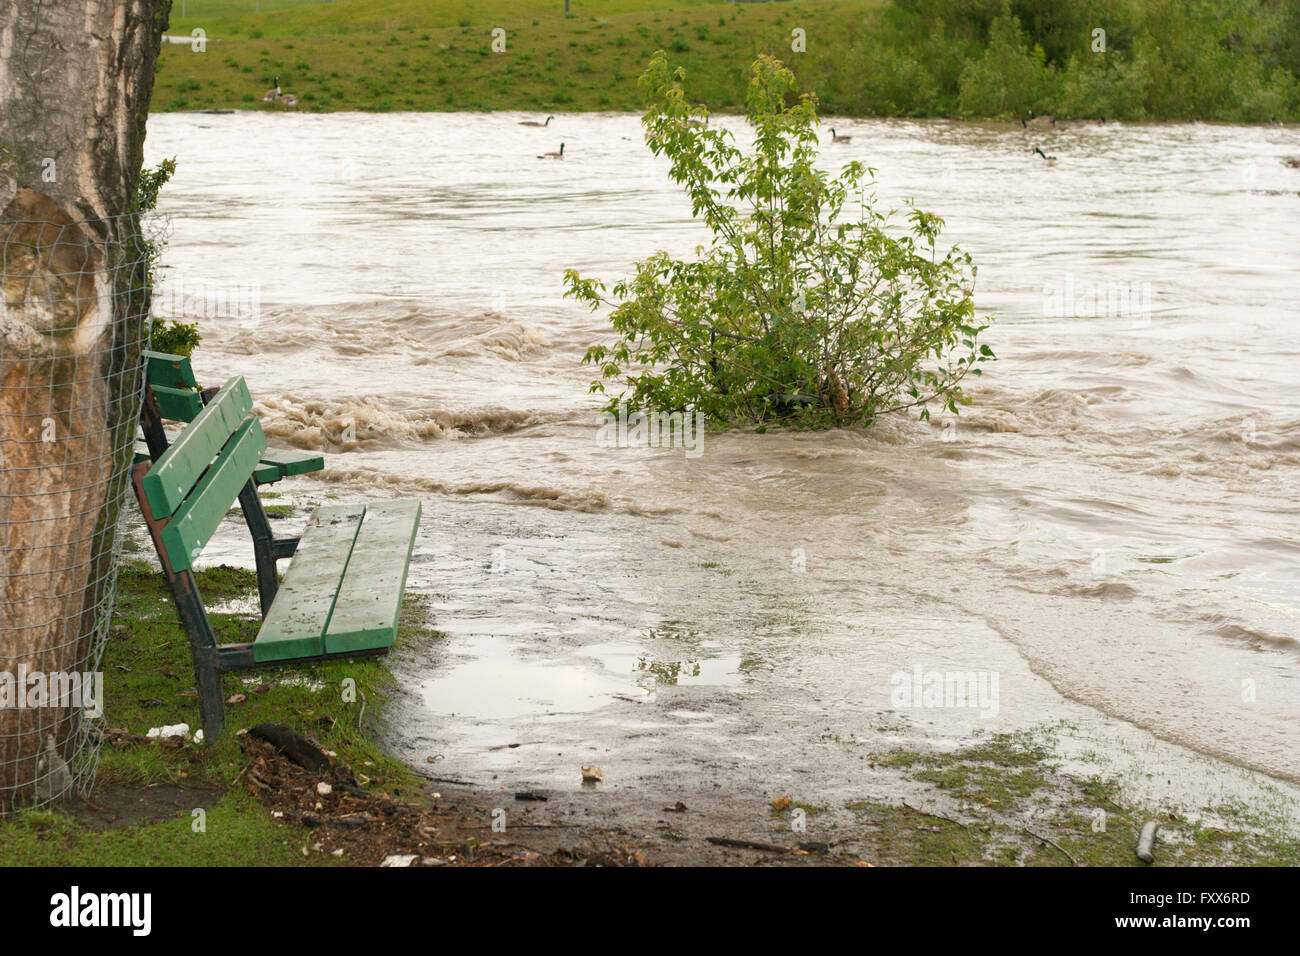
[(1011, 79)]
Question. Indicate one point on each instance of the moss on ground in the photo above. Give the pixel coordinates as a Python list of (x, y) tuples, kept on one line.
[(1011, 805)]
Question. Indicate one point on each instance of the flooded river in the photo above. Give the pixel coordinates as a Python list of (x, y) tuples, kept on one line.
[(1110, 534)]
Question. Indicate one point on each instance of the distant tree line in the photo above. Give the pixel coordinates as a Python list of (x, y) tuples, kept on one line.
[(1235, 60)]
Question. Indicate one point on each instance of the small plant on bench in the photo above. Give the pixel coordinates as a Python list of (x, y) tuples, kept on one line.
[(342, 593)]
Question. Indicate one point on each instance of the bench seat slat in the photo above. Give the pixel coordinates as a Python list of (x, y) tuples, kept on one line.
[(295, 462), (179, 467), (202, 510), (370, 599), (280, 463), (267, 473), (295, 625)]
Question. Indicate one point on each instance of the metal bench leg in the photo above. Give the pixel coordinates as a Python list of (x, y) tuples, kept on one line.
[(203, 651), (264, 550), (203, 642)]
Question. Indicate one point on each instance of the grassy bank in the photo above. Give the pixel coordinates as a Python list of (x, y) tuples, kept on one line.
[(1235, 60), (155, 788)]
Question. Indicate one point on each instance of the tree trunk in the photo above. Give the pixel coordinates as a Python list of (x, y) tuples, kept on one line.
[(75, 82)]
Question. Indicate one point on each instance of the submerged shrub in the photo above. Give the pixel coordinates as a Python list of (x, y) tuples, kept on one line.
[(799, 310)]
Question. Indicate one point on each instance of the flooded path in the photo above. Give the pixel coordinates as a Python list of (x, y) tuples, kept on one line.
[(1112, 530)]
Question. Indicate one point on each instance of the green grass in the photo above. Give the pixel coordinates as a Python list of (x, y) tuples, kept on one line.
[(401, 55), (238, 831), (861, 58), (149, 681)]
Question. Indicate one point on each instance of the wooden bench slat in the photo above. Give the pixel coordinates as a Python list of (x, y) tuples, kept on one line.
[(275, 463), (171, 371), (267, 473), (295, 625), (177, 404), (179, 467), (202, 510), (370, 599), (280, 463), (295, 462)]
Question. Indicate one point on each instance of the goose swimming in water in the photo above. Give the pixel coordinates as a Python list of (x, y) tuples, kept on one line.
[(535, 123), (1050, 159), (559, 155), (836, 138), (1038, 120)]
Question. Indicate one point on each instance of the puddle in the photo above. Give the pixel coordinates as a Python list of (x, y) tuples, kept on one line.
[(247, 606), (649, 671), (495, 682)]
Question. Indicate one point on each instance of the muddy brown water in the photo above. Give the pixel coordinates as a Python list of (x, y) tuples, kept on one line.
[(1111, 531)]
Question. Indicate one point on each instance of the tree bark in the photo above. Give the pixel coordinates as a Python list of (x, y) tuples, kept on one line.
[(75, 81)]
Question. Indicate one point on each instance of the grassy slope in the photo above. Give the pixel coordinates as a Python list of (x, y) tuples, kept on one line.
[(147, 661), (436, 54)]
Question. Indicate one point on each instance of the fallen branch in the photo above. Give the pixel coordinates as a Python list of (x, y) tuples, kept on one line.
[(1051, 842), (748, 845), (937, 816)]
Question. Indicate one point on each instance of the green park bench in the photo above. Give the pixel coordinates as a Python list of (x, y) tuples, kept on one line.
[(342, 592)]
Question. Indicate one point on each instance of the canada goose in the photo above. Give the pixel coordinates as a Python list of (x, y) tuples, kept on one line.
[(288, 99), (535, 123), (1038, 120), (273, 93), (836, 138), (559, 155), (1050, 159), (1292, 161)]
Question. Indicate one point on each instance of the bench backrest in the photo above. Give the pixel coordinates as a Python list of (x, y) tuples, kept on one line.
[(175, 390), (195, 481)]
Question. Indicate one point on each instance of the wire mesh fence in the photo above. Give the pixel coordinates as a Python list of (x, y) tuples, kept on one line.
[(74, 316)]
